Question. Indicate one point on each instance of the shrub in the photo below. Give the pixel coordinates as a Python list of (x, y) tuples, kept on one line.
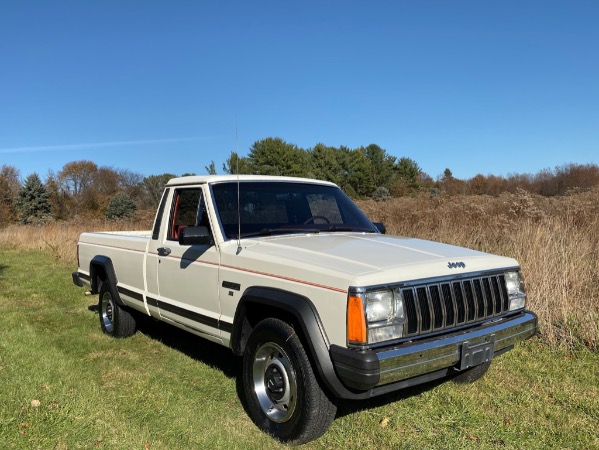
[(121, 205), (381, 193)]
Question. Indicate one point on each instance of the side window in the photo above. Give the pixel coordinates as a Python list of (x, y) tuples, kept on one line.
[(187, 211)]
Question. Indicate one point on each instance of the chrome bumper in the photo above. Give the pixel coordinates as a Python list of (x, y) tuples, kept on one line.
[(367, 373), (419, 358)]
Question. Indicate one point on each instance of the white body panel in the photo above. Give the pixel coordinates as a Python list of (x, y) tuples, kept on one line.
[(127, 251)]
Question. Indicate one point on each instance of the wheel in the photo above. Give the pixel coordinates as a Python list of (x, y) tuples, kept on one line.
[(313, 218), (283, 395), (472, 374), (114, 320)]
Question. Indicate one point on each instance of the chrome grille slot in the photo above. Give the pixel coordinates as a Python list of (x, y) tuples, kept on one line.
[(459, 300), (496, 295), (425, 310), (449, 305), (488, 297), (480, 300), (436, 306), (505, 305), (470, 300), (411, 312)]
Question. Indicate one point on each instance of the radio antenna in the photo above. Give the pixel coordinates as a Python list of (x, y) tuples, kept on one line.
[(238, 189)]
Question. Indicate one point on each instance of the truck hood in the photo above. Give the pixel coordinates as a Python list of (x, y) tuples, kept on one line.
[(368, 259)]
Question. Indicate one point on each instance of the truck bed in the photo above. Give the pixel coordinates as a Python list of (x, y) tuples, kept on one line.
[(126, 250)]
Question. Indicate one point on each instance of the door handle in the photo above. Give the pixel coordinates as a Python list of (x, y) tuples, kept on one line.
[(164, 251)]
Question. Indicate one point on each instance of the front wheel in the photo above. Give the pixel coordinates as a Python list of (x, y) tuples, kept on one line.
[(283, 395), (114, 320)]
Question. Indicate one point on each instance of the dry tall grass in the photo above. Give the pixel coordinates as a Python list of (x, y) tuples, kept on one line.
[(556, 240), (60, 238)]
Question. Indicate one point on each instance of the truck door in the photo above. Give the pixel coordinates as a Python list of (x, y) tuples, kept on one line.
[(188, 275)]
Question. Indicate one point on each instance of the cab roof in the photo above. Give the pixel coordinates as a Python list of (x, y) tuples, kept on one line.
[(206, 179)]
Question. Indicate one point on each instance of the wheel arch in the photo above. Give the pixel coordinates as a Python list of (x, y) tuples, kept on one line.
[(101, 270), (259, 303)]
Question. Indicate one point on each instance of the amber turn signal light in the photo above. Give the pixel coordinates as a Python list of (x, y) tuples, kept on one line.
[(356, 321)]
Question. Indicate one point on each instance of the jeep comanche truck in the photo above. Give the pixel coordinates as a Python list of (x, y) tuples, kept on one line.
[(321, 304)]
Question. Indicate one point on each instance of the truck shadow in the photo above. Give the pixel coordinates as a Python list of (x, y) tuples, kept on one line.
[(347, 407), (195, 347), (216, 356), (2, 269)]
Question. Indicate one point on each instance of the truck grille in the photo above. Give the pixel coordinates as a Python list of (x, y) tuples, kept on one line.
[(432, 307)]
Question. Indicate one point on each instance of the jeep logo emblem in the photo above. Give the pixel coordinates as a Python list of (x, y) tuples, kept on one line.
[(456, 265)]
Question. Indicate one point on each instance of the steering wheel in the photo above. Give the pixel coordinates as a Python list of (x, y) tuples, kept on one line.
[(313, 218)]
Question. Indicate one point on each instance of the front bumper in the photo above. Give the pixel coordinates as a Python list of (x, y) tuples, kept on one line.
[(379, 368)]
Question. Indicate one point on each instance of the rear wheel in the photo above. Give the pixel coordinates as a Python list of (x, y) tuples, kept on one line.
[(283, 395), (114, 320)]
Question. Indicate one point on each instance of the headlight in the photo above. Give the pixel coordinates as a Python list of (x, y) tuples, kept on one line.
[(384, 315), (380, 305), (375, 316), (515, 290)]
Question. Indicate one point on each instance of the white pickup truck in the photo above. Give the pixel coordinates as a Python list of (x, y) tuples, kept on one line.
[(321, 304)]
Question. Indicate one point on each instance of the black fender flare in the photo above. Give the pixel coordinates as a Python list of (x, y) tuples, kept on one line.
[(99, 264), (305, 314)]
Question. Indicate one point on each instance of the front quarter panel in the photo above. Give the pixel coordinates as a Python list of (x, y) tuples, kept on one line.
[(245, 269)]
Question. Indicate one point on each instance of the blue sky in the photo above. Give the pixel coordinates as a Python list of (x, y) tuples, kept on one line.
[(155, 86)]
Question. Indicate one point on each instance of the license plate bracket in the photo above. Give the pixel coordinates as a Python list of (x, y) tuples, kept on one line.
[(476, 354)]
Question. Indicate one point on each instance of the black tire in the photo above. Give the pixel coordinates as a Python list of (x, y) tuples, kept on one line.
[(283, 395), (472, 374), (114, 320)]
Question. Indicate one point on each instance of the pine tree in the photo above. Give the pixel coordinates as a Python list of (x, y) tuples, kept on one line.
[(33, 202), (121, 205)]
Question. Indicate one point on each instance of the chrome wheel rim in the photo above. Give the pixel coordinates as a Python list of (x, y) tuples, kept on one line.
[(275, 382), (106, 311)]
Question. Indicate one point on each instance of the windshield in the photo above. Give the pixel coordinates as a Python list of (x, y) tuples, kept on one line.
[(268, 208)]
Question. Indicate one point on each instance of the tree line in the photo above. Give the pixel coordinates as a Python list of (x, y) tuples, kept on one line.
[(82, 188), (371, 172)]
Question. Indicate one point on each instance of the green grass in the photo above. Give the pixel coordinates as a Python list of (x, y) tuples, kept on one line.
[(165, 389)]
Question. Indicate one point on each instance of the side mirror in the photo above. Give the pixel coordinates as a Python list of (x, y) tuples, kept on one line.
[(194, 236), (381, 227)]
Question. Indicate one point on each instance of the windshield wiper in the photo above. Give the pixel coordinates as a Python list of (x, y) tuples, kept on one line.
[(271, 231), (336, 228)]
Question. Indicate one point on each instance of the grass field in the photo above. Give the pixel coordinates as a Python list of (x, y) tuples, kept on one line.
[(64, 385)]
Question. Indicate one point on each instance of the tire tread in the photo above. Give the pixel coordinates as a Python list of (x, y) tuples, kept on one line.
[(319, 408)]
